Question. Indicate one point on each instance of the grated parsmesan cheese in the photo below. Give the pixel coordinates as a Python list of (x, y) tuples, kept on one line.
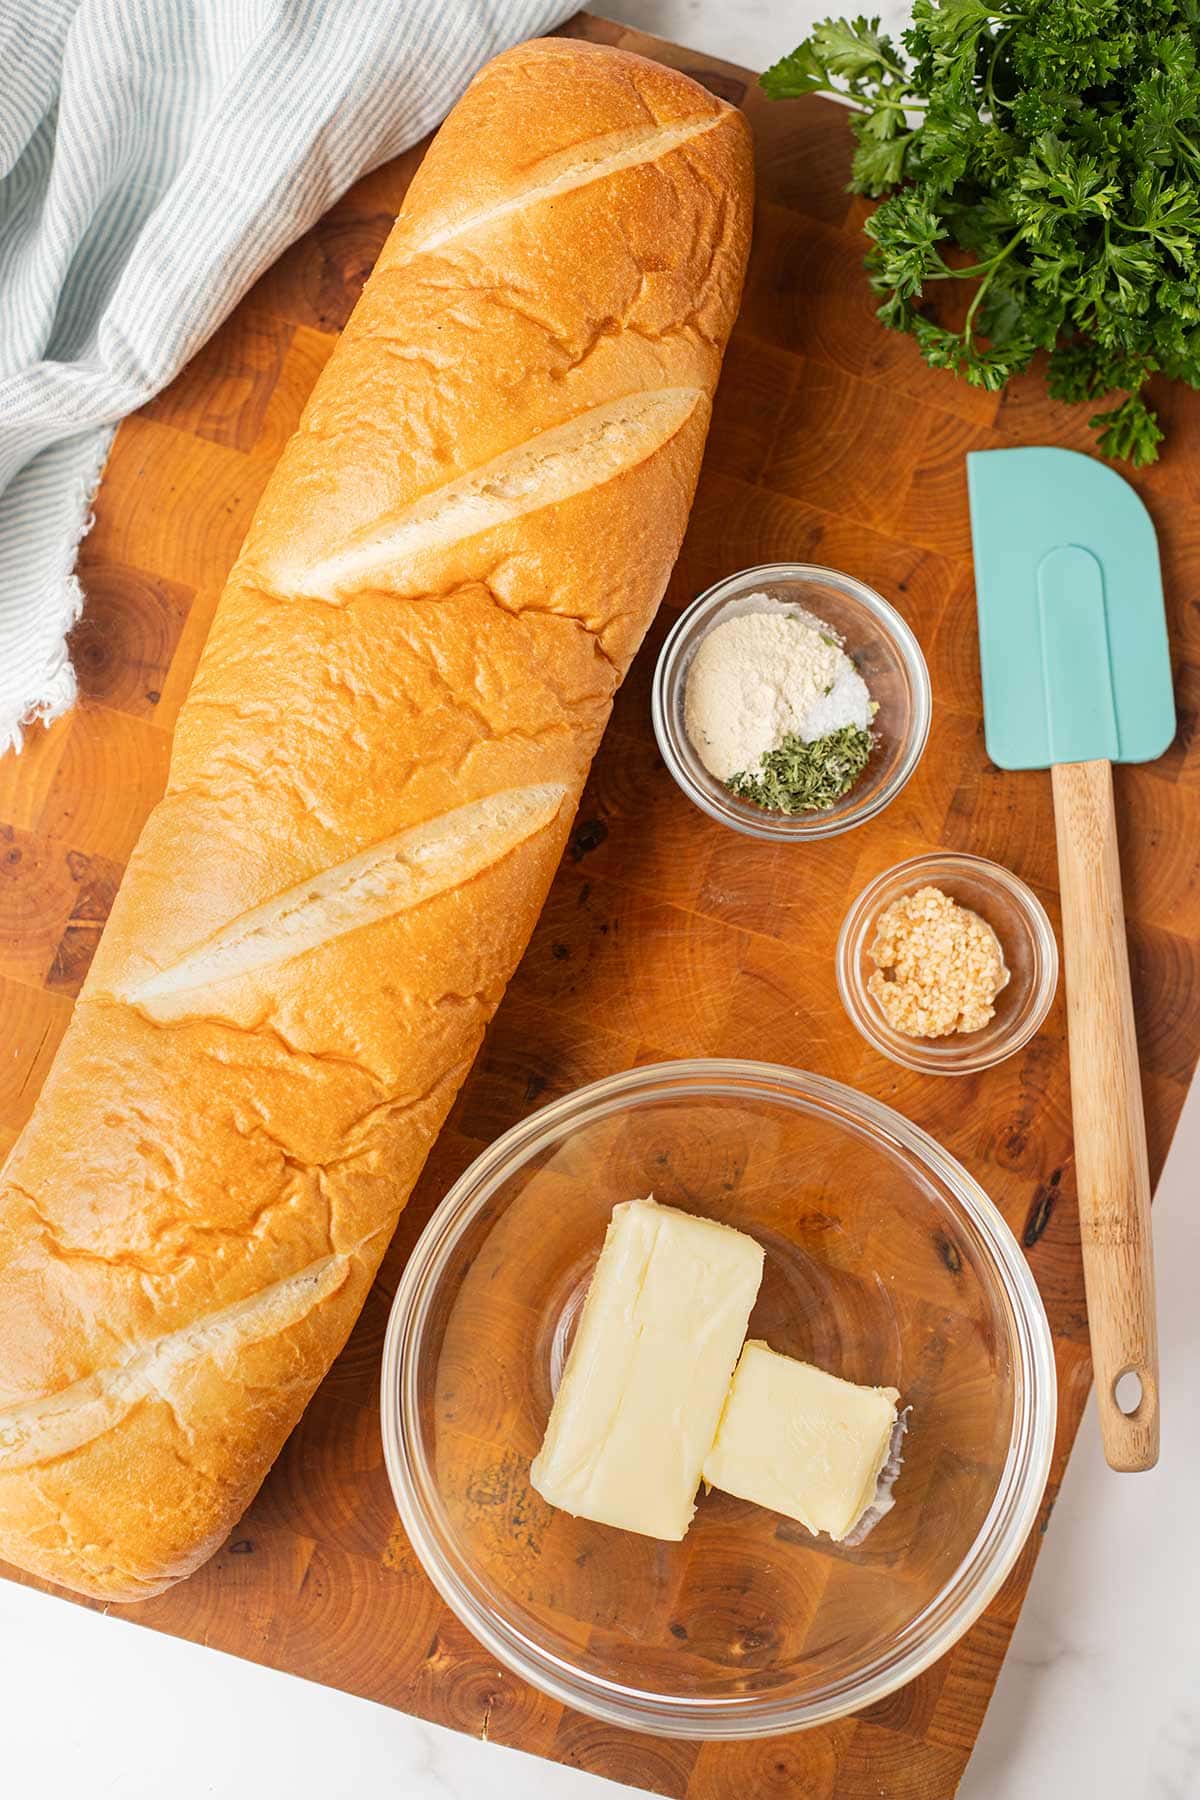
[(763, 676)]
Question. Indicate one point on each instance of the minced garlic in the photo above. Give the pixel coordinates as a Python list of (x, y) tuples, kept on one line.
[(939, 966)]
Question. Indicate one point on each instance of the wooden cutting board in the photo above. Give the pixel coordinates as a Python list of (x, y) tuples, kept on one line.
[(664, 935)]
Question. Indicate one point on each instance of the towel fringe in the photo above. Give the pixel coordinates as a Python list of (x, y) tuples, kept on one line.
[(57, 688)]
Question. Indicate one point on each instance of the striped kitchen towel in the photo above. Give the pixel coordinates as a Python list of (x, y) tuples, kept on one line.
[(155, 157)]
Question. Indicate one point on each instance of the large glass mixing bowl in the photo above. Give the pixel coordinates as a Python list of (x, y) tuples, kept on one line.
[(885, 1262)]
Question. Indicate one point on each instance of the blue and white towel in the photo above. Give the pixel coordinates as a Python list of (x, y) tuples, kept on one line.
[(155, 157)]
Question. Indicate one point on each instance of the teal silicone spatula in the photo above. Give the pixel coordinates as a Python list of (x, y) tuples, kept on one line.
[(1077, 676)]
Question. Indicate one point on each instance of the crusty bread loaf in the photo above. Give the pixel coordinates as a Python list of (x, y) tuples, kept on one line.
[(371, 785)]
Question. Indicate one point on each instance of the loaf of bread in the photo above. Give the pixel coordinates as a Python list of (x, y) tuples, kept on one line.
[(371, 785)]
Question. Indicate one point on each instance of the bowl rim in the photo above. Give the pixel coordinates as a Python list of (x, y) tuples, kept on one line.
[(924, 1055), (997, 1543), (738, 816)]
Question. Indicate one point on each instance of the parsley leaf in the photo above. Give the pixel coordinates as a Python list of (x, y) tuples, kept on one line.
[(1129, 432), (1055, 144)]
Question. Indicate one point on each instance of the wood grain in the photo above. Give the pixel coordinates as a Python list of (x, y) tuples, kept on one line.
[(664, 934), (1113, 1175)]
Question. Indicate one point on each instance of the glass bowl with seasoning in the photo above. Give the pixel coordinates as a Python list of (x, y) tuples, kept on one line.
[(947, 963), (883, 1263), (791, 702)]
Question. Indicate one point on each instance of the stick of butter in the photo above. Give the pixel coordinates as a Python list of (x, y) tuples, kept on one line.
[(802, 1442), (637, 1408)]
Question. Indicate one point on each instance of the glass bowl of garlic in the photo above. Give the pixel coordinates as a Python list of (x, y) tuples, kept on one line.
[(791, 702), (947, 963)]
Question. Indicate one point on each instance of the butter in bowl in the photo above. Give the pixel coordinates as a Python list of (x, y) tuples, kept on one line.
[(660, 1390), (840, 1267)]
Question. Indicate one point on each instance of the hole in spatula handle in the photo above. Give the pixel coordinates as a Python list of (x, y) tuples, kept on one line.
[(1129, 1415), (1128, 1392)]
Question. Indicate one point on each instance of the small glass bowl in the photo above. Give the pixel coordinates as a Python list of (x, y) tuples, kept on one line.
[(884, 1263), (1027, 939), (883, 649)]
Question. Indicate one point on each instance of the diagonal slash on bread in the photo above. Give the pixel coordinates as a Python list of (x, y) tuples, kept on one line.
[(159, 1368), (555, 466), (389, 878), (578, 167)]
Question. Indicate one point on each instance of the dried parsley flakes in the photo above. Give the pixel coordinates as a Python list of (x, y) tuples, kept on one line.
[(800, 777)]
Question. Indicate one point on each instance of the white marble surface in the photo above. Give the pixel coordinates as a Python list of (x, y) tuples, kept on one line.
[(1100, 1696), (754, 33)]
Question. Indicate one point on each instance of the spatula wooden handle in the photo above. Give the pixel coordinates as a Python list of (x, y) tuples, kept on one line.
[(1112, 1175)]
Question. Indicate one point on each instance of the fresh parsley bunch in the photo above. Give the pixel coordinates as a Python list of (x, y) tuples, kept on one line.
[(1057, 142)]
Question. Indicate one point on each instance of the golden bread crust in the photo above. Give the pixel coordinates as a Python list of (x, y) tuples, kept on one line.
[(371, 785)]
